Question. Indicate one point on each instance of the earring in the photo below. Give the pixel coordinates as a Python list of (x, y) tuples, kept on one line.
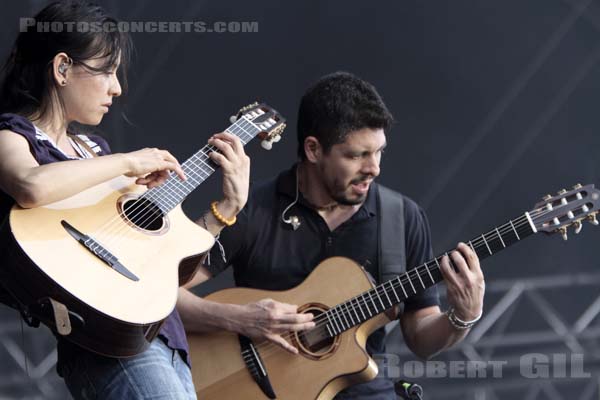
[(64, 83)]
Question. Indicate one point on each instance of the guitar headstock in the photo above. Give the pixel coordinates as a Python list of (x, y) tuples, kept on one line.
[(264, 118), (567, 208)]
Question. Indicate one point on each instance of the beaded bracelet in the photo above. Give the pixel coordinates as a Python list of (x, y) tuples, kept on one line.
[(459, 323), (219, 217)]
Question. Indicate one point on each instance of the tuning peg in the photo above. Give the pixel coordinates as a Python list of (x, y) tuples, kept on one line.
[(276, 138), (563, 232), (267, 144), (578, 186), (547, 197), (592, 218), (562, 191), (233, 118), (578, 227)]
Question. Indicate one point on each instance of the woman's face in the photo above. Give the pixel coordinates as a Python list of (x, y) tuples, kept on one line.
[(87, 95)]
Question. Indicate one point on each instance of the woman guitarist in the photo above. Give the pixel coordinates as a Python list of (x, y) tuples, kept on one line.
[(50, 80)]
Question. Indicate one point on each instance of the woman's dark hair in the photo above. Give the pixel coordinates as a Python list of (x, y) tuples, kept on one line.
[(336, 105), (74, 27)]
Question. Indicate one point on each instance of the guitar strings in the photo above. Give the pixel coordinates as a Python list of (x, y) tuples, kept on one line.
[(320, 320), (139, 211), (421, 271), (153, 196), (323, 318)]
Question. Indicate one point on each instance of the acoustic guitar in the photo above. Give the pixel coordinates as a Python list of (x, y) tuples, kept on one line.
[(103, 267), (347, 309)]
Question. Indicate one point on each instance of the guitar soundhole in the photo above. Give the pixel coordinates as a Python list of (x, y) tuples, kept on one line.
[(316, 343), (144, 214)]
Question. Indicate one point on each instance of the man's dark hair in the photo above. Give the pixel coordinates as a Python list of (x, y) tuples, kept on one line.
[(336, 105)]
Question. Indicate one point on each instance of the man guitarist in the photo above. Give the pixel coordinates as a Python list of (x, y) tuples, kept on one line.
[(326, 205)]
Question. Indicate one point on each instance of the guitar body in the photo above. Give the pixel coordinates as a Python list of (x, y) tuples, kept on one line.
[(219, 371), (110, 313), (347, 309)]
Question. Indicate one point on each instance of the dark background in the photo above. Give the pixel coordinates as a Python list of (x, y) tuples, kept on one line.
[(497, 104)]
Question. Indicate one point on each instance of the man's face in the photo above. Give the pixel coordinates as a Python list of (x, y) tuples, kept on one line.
[(349, 168)]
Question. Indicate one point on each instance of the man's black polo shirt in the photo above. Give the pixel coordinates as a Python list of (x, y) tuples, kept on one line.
[(267, 253)]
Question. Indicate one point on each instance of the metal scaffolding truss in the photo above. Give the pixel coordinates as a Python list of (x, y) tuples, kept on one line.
[(28, 355), (567, 343)]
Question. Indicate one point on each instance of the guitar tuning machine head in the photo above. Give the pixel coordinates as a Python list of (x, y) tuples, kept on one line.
[(267, 144), (547, 197), (577, 186), (275, 137), (233, 119), (562, 191), (592, 219), (578, 226), (563, 232)]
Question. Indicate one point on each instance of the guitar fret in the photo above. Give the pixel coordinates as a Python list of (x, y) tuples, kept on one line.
[(500, 237), (394, 291), (188, 183), (331, 323), (386, 295), (336, 321), (167, 198), (410, 281), (419, 276), (378, 297), (341, 312), (175, 189), (349, 314), (472, 248), (486, 244), (429, 273), (206, 164), (402, 287), (513, 227), (192, 174), (329, 330), (197, 170), (248, 123), (373, 302), (361, 309), (367, 305), (354, 309)]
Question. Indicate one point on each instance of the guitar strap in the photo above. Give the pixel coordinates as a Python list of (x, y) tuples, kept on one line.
[(391, 241), (83, 144)]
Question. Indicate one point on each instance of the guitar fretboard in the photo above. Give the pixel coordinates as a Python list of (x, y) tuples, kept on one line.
[(197, 169), (388, 294)]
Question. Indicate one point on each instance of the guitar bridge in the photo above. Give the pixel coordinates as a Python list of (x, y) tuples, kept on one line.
[(255, 366), (99, 251)]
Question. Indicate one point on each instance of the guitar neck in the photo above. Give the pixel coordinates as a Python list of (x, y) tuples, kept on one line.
[(415, 281), (197, 169)]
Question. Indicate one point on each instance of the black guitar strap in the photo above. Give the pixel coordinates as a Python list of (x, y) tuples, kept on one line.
[(391, 243)]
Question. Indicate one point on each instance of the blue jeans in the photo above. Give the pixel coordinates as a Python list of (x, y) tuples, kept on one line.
[(159, 373)]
